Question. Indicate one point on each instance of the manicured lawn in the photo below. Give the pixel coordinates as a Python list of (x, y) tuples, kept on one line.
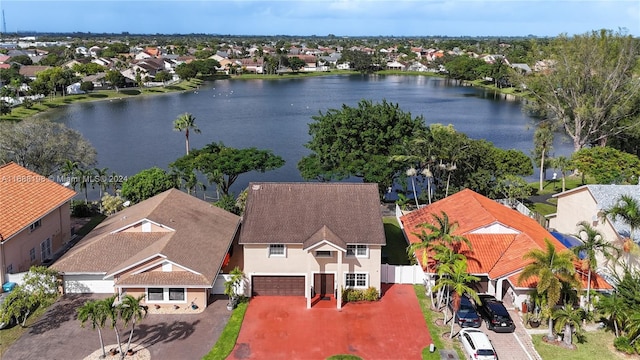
[(227, 339), (598, 345), (396, 249), (436, 331)]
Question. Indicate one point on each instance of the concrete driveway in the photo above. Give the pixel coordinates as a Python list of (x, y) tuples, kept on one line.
[(58, 334), (281, 327)]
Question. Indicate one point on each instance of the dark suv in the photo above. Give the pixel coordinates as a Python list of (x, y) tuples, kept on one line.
[(467, 316), (495, 314)]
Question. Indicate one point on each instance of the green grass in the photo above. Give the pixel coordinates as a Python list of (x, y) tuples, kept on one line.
[(344, 357), (90, 225), (434, 330), (599, 342), (229, 336), (396, 248)]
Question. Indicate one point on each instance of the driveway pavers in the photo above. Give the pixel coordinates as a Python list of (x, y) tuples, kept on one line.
[(280, 327), (58, 335)]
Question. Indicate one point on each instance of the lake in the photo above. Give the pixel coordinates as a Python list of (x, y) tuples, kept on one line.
[(135, 134)]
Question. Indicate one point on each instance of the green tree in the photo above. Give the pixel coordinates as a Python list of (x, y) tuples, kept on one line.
[(424, 247), (223, 165), (111, 204), (163, 76), (543, 144), (39, 288), (358, 142), (112, 311), (94, 312), (464, 68), (116, 79), (457, 281), (295, 63), (627, 209), (514, 188), (131, 311), (552, 268), (358, 60), (186, 122), (68, 170), (84, 177), (568, 318), (614, 309), (186, 71), (146, 183), (589, 87), (562, 164), (593, 244), (607, 165), (43, 146)]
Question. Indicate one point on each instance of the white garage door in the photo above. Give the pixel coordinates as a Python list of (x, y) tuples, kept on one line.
[(83, 284)]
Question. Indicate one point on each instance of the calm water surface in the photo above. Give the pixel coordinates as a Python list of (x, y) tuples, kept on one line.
[(135, 134)]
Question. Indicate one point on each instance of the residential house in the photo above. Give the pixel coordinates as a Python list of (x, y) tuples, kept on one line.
[(251, 65), (395, 65), (586, 203), (169, 248), (31, 71), (310, 62), (499, 237), (312, 239), (35, 219)]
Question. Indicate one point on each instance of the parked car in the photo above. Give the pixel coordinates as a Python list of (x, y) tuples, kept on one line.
[(477, 345), (495, 314), (467, 316)]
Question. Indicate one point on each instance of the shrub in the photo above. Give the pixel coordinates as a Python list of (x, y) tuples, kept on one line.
[(623, 344), (86, 86), (80, 209), (370, 294)]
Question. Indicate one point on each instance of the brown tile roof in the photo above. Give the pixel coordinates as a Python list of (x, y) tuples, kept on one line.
[(496, 255), (324, 234), (162, 278), (291, 213), (26, 197), (32, 70), (200, 240)]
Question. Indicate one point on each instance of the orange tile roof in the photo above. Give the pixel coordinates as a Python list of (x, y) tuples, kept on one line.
[(26, 197), (597, 282), (494, 254)]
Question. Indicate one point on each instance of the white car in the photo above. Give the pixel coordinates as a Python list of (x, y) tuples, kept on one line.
[(477, 345)]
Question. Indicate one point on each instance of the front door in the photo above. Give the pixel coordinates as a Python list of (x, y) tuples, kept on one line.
[(323, 284)]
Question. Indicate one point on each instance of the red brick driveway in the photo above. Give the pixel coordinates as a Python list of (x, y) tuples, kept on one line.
[(280, 327)]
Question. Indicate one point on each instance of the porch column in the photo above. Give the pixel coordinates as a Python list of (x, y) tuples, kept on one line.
[(499, 288), (308, 280), (339, 281)]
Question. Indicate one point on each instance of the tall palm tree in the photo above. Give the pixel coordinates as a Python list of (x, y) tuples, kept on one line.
[(94, 311), (68, 170), (131, 311), (458, 280), (113, 315), (424, 246), (552, 268), (444, 258), (563, 164), (568, 318), (186, 122), (84, 179), (626, 209), (443, 230), (593, 243), (102, 179), (543, 143)]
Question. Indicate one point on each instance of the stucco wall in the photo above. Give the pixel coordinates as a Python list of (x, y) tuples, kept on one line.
[(298, 261), (197, 296)]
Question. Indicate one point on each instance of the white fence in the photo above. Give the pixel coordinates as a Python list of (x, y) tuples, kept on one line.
[(405, 274), (218, 286), (15, 278)]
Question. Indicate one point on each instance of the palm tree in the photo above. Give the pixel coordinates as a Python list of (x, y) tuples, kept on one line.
[(552, 268), (568, 318), (444, 257), (457, 281), (115, 181), (627, 209), (186, 122), (543, 143), (132, 311), (94, 311), (593, 243), (68, 170), (84, 178), (613, 308), (563, 164), (102, 179), (113, 314), (425, 245), (443, 231)]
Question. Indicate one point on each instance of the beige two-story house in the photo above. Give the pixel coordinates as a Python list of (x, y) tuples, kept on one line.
[(35, 219), (312, 239)]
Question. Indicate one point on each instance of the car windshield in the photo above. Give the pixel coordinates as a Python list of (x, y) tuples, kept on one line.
[(485, 352), (466, 311)]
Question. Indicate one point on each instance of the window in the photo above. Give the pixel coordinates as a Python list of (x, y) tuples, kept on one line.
[(176, 294), (276, 250), (323, 253), (35, 225), (32, 254), (356, 280), (155, 294), (10, 269), (45, 249), (357, 250)]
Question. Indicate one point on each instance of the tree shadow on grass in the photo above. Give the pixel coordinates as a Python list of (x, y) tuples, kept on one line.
[(98, 96), (130, 92)]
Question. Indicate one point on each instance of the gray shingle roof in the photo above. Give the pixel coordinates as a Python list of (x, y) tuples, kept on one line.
[(606, 197), (292, 213)]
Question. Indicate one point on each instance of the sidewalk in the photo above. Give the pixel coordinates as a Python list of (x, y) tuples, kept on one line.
[(523, 335)]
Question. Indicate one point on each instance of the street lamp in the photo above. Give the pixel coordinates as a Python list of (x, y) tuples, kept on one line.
[(411, 173)]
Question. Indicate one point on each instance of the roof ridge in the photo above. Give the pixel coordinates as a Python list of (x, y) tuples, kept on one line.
[(504, 252)]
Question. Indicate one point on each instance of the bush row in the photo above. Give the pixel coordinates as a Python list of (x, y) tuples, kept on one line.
[(370, 294)]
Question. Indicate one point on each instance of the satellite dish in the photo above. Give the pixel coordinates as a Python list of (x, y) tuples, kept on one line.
[(126, 203)]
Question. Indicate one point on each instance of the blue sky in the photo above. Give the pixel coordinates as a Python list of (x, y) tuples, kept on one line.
[(323, 17)]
